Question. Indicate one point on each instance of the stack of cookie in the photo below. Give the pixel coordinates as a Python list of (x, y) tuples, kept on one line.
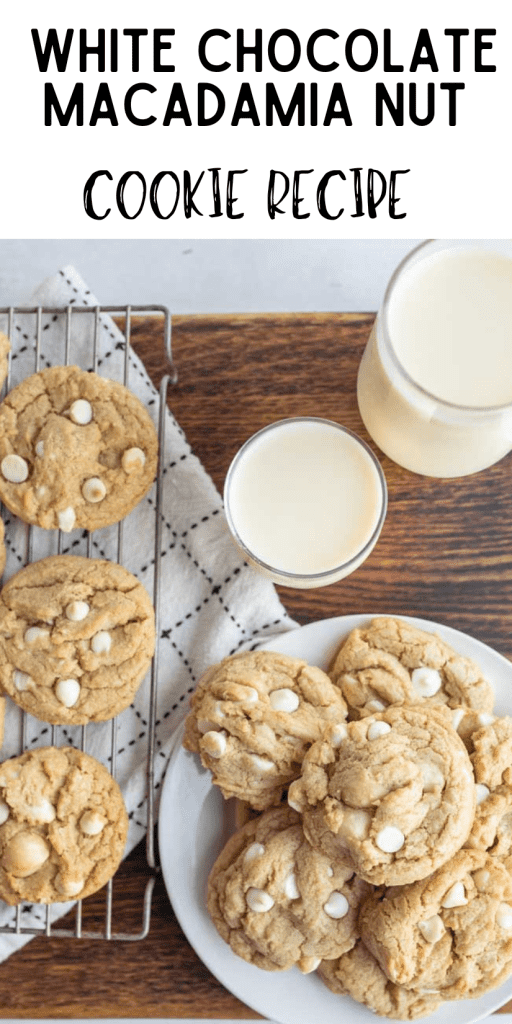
[(378, 848), (76, 634)]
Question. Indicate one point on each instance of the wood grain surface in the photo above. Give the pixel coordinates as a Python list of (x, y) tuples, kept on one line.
[(445, 553)]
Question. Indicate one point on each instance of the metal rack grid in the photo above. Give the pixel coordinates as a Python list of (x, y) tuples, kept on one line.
[(125, 313)]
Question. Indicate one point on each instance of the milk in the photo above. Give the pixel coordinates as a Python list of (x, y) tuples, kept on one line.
[(435, 383), (305, 497)]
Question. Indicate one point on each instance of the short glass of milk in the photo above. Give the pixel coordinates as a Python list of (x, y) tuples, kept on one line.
[(305, 500), (435, 382)]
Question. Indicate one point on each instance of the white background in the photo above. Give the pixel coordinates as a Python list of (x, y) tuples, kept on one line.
[(457, 184)]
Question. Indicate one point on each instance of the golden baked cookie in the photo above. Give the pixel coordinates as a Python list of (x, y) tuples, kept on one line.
[(5, 348), (451, 932), (467, 722), (393, 795), (76, 450), (357, 974), (278, 902), (253, 717), (76, 638), (492, 765), (2, 546), (2, 720), (63, 826), (391, 661)]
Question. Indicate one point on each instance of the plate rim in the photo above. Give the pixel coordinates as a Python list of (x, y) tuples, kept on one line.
[(484, 1005)]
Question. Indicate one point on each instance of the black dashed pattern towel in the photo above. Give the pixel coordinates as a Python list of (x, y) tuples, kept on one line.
[(212, 604)]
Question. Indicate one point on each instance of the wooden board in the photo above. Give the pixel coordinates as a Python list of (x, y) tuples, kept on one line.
[(445, 553)]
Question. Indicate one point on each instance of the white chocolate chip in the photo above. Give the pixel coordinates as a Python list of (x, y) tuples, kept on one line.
[(295, 795), (133, 460), (485, 719), (92, 823), (214, 743), (68, 692), (329, 871), (426, 681), (14, 469), (482, 792), (284, 700), (259, 901), (432, 929), (94, 490), (22, 681), (337, 906), (337, 734), (378, 729), (356, 823), (253, 851), (290, 887), (432, 776), (504, 917), (482, 878), (35, 633), (390, 839), (101, 642), (25, 853), (375, 705), (457, 715), (248, 695), (66, 519), (308, 964), (81, 412), (77, 610), (455, 897), (68, 887), (4, 811), (39, 449), (262, 763), (40, 813)]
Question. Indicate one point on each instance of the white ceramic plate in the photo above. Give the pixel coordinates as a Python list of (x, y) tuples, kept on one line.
[(195, 822)]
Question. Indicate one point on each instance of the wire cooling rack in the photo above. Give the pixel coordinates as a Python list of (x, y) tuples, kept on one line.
[(38, 317)]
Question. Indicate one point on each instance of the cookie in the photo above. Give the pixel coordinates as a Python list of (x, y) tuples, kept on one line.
[(2, 546), (391, 661), (253, 717), (63, 826), (76, 638), (393, 795), (2, 720), (466, 722), (451, 932), (357, 974), (277, 902), (76, 450), (492, 765), (5, 348)]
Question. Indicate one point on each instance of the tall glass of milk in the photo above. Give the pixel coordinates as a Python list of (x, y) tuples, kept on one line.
[(305, 500), (435, 382)]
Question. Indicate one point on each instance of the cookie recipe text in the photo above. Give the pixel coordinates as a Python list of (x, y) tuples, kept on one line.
[(307, 81)]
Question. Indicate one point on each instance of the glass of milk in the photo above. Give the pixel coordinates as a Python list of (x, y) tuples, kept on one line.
[(435, 382), (305, 500)]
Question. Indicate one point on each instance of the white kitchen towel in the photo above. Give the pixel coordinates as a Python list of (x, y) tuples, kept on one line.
[(212, 603)]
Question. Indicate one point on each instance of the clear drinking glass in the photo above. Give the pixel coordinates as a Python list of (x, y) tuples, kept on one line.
[(445, 409), (305, 501)]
